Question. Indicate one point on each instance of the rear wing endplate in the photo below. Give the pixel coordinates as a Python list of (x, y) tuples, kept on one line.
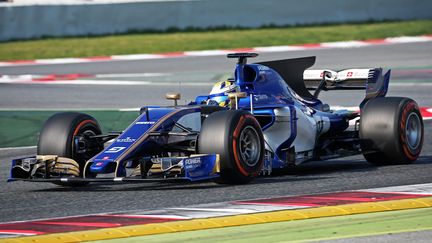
[(374, 80)]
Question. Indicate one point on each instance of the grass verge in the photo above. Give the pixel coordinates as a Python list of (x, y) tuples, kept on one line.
[(205, 40)]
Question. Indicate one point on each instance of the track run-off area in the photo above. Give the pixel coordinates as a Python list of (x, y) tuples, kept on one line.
[(128, 84)]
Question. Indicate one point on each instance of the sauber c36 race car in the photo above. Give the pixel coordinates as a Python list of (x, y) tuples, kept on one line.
[(263, 119)]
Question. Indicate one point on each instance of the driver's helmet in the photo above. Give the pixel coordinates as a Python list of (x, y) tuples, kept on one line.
[(219, 92)]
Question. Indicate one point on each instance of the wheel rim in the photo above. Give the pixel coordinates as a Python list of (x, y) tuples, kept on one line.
[(87, 132), (250, 148), (413, 131)]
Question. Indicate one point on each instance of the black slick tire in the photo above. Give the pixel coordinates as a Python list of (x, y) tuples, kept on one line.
[(57, 137), (237, 137), (391, 131)]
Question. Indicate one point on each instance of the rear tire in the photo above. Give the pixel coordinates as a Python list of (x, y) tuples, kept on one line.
[(236, 136), (391, 131), (57, 138)]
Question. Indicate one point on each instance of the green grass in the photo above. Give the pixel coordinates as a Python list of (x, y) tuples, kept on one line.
[(203, 40)]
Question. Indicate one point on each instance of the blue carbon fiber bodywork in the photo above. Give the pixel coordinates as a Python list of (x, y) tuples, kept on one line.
[(135, 139), (201, 167)]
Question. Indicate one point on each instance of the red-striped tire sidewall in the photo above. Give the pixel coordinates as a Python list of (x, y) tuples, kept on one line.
[(410, 107), (244, 121)]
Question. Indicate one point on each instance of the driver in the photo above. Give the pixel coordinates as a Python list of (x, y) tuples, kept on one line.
[(219, 93)]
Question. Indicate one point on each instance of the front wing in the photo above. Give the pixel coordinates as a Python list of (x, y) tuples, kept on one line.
[(53, 168)]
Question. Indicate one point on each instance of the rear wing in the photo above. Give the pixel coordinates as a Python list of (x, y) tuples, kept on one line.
[(374, 80), (293, 71), (344, 79)]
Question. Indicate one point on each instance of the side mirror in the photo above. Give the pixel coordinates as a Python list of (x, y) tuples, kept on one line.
[(234, 97), (173, 96)]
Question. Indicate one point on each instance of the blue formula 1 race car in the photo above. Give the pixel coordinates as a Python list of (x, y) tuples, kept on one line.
[(263, 119)]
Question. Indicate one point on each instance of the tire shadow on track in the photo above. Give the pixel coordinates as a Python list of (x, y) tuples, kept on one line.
[(171, 186), (310, 172), (313, 171), (130, 187), (347, 166)]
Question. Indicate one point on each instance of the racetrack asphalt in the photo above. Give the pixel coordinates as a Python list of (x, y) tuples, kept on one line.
[(24, 201)]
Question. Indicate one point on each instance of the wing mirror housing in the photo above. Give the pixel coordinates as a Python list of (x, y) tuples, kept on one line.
[(173, 96)]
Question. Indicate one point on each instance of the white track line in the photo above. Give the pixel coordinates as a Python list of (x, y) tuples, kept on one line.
[(345, 44), (137, 57), (408, 39), (278, 48), (421, 189), (207, 53), (150, 216), (222, 210), (61, 60), (132, 75)]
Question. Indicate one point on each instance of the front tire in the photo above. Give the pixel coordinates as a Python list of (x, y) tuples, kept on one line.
[(391, 131), (236, 136), (58, 134)]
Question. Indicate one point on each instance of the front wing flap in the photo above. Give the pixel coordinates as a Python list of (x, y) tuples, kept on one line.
[(51, 168), (44, 166)]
